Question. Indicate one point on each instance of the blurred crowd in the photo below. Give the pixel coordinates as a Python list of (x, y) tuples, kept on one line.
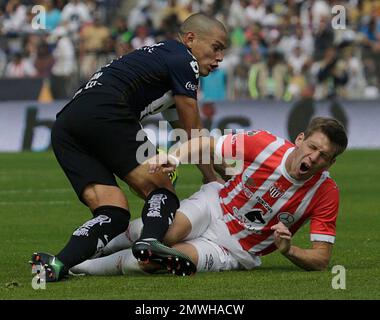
[(284, 49)]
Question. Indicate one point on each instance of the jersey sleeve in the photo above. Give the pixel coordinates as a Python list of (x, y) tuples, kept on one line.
[(324, 215), (170, 114), (242, 146), (184, 75)]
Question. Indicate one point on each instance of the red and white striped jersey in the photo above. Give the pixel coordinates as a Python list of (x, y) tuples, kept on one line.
[(264, 193)]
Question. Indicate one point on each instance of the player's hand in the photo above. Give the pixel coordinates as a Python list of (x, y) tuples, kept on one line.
[(282, 237), (167, 163)]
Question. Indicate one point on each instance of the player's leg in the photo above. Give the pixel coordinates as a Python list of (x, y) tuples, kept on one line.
[(204, 254), (190, 221), (157, 214), (188, 224), (124, 262), (208, 256), (95, 186), (110, 218), (89, 239), (118, 263), (125, 239), (161, 201), (194, 215)]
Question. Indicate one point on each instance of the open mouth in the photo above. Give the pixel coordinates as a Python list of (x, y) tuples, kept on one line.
[(304, 168)]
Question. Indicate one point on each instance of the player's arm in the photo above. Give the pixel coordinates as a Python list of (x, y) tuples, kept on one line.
[(322, 232), (189, 118), (171, 115), (191, 149), (315, 259), (188, 113), (199, 148)]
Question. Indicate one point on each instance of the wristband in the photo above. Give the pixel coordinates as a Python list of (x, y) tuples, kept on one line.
[(174, 159)]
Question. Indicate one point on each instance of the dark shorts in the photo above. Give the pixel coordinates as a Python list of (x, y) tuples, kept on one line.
[(94, 139)]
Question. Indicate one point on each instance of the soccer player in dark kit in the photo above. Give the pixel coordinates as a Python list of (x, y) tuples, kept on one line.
[(94, 140)]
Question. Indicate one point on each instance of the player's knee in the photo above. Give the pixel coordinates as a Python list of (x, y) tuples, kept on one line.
[(147, 188), (134, 229), (144, 183), (178, 230)]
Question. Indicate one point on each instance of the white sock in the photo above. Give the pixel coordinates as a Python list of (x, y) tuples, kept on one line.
[(118, 263), (125, 239)]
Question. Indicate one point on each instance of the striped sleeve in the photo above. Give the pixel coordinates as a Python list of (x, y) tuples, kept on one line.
[(243, 146), (324, 215)]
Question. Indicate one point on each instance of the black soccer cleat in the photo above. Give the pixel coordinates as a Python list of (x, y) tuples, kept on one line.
[(171, 260), (47, 267)]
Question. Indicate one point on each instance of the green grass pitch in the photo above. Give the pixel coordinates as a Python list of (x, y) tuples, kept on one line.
[(39, 211)]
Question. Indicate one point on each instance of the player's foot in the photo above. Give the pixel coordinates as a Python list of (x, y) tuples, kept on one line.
[(49, 266), (172, 260)]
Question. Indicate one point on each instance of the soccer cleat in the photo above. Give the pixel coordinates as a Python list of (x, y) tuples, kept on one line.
[(53, 269), (174, 261)]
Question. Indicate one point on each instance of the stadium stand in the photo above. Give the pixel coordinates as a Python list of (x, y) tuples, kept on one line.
[(280, 50)]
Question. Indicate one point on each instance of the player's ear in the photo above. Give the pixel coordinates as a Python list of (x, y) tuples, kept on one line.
[(188, 39), (300, 138)]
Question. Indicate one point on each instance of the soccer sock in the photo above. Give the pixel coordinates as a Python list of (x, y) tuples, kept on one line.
[(125, 239), (91, 237), (122, 262), (158, 213)]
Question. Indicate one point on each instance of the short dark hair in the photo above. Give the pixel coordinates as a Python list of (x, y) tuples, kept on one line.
[(200, 23), (333, 129)]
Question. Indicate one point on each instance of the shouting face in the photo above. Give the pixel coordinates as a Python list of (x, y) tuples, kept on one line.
[(311, 155)]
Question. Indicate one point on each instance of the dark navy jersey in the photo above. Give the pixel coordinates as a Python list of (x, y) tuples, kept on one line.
[(146, 79)]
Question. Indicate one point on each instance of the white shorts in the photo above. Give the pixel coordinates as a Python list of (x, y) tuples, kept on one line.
[(206, 217), (213, 257)]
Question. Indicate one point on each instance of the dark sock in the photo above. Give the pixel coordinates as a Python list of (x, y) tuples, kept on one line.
[(92, 236), (158, 213)]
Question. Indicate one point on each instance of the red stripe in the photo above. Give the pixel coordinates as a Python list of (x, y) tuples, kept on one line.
[(253, 151), (259, 177)]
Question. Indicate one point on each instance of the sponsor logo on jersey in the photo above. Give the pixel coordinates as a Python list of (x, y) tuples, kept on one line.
[(195, 67), (276, 191), (255, 215), (264, 204), (191, 86), (286, 218), (252, 220)]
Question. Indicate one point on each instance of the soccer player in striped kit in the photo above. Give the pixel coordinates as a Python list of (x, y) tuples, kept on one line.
[(280, 187)]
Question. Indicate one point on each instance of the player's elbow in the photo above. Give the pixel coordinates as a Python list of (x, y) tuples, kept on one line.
[(319, 265)]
